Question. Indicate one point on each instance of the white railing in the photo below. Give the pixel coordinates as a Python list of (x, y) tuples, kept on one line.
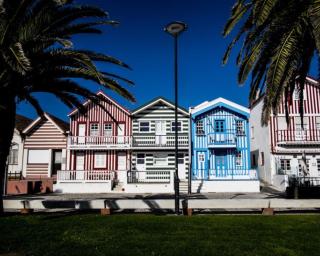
[(149, 176), (159, 141), (222, 139), (85, 176), (98, 140), (235, 174)]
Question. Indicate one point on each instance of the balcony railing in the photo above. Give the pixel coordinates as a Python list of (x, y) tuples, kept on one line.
[(228, 174), (298, 136), (98, 141), (228, 139), (160, 141), (85, 176), (149, 176)]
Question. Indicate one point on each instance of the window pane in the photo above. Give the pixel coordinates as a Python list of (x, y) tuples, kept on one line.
[(108, 130), (94, 129), (173, 127), (100, 160), (38, 156), (144, 126)]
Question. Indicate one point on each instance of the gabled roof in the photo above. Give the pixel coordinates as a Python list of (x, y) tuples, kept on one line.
[(219, 102), (156, 101), (107, 97), (61, 125), (22, 122)]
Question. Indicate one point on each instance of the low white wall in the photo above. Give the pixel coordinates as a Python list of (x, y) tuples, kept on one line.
[(281, 182), (226, 186), (80, 187), (149, 188)]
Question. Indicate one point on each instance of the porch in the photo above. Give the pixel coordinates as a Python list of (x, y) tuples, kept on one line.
[(99, 142), (159, 141)]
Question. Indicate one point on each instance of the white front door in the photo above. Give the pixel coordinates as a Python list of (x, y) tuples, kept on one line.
[(122, 166), (181, 167), (81, 133), (161, 132), (80, 166), (120, 133)]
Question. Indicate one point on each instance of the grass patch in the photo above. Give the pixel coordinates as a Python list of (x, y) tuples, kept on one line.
[(92, 234)]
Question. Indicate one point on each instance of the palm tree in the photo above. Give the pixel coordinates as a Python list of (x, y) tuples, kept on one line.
[(37, 55), (280, 38)]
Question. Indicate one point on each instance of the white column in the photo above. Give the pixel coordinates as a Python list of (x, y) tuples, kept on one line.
[(64, 158), (50, 163), (24, 162)]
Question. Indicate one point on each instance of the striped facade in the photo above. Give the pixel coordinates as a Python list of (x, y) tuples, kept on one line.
[(220, 140), (153, 138), (42, 138), (286, 149), (118, 120)]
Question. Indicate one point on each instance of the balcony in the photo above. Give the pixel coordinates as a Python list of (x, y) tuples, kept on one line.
[(298, 137), (99, 142), (159, 141), (222, 140)]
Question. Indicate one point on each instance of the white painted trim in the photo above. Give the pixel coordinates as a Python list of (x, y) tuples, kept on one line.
[(207, 104), (157, 101), (103, 94)]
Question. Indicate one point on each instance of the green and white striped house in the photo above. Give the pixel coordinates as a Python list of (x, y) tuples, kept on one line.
[(153, 138)]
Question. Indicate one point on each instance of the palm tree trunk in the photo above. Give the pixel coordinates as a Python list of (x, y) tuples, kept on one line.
[(7, 123)]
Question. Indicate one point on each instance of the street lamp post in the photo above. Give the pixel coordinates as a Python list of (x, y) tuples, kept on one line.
[(175, 29)]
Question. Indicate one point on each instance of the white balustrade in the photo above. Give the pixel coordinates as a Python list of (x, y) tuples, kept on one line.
[(149, 176), (159, 141), (213, 174), (85, 176), (99, 141)]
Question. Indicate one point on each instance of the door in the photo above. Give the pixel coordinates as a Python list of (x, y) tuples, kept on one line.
[(81, 133), (122, 166), (201, 172), (161, 133), (120, 133), (80, 166), (220, 163), (219, 129), (181, 167), (56, 161), (140, 162)]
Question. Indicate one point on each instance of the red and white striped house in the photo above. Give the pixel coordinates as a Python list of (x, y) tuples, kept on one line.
[(98, 148), (279, 150), (44, 147)]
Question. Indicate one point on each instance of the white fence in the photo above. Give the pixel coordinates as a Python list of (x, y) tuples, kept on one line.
[(85, 176), (149, 176), (212, 174), (161, 141), (92, 141)]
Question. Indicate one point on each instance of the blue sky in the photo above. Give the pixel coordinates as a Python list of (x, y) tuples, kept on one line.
[(141, 42)]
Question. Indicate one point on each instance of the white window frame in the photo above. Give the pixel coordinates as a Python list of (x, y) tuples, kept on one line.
[(200, 128), (107, 132), (240, 132), (14, 154), (42, 156), (173, 126), (102, 162), (149, 126), (94, 132)]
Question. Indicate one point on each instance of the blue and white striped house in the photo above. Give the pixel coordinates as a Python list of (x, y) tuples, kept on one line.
[(220, 148)]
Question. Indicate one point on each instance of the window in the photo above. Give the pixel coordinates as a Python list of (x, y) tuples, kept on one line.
[(298, 124), (180, 158), (262, 158), (107, 130), (254, 161), (160, 159), (199, 127), (318, 122), (296, 94), (13, 156), (252, 132), (240, 128), (140, 158), (94, 129), (219, 125), (36, 156), (303, 167), (239, 159), (144, 126), (318, 166), (173, 127), (201, 157), (100, 160), (282, 123), (285, 165)]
